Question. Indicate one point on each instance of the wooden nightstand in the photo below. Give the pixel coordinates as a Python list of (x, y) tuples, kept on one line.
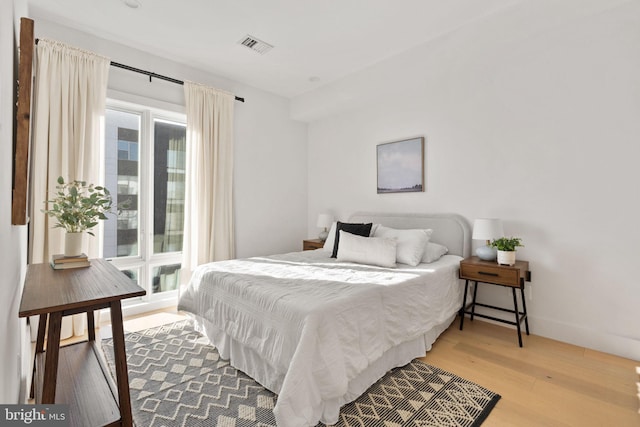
[(492, 273), (311, 244)]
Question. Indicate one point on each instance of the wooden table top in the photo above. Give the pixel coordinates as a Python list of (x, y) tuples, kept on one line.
[(47, 290)]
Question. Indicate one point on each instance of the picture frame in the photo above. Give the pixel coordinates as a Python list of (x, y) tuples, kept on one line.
[(22, 124), (400, 166)]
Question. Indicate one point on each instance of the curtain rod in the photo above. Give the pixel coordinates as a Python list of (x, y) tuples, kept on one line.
[(154, 75), (151, 74)]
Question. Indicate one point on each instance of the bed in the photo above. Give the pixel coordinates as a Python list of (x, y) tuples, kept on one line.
[(319, 331)]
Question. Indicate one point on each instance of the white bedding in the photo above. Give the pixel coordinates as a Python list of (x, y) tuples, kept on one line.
[(318, 325)]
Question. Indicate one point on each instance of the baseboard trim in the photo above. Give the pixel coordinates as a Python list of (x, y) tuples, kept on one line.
[(592, 339), (576, 335)]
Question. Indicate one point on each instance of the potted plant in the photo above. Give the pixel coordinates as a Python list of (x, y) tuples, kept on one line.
[(77, 207), (506, 247)]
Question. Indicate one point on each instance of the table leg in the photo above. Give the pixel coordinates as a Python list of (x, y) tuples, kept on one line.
[(524, 309), (473, 304), (91, 327), (464, 303), (51, 358), (120, 361), (515, 307), (42, 328)]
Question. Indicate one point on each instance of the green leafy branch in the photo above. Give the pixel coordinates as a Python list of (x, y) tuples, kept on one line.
[(507, 243), (77, 206)]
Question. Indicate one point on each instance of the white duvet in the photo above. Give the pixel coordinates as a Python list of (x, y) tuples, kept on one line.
[(317, 323)]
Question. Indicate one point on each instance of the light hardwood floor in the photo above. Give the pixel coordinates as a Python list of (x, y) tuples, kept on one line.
[(545, 383)]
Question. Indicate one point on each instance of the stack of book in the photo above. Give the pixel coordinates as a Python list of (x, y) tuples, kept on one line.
[(61, 262)]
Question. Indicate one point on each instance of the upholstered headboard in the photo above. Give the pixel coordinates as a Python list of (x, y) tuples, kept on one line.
[(451, 230)]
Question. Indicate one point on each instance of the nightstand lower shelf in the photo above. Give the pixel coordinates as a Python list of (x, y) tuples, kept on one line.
[(520, 316)]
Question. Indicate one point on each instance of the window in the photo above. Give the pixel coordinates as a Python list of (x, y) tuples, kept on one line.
[(145, 151)]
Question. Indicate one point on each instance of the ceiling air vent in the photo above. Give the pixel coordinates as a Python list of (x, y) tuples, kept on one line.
[(256, 44)]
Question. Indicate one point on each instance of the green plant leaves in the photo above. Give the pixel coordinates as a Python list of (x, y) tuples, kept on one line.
[(507, 243), (77, 206)]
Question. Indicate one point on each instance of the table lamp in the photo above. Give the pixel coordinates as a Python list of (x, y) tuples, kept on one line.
[(487, 229), (324, 222)]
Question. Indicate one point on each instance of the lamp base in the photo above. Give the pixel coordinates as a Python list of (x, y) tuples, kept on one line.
[(487, 253), (323, 235)]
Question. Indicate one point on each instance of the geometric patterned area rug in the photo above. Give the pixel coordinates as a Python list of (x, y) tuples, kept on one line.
[(177, 378)]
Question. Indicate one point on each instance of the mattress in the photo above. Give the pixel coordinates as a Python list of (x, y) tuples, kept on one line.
[(316, 331)]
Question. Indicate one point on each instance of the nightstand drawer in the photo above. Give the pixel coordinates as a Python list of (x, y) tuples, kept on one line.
[(493, 274), (312, 244)]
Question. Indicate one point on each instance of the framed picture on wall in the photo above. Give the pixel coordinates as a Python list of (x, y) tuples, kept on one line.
[(22, 124), (401, 166)]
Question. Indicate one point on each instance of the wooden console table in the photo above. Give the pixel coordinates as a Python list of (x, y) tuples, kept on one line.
[(77, 374)]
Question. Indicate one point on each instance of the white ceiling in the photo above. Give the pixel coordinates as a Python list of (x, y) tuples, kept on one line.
[(316, 41)]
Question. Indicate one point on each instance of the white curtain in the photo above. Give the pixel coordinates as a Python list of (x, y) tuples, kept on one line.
[(209, 233), (68, 118)]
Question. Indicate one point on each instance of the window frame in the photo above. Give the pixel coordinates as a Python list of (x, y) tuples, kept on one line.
[(146, 260)]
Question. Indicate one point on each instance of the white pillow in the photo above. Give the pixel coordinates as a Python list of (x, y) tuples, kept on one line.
[(411, 243), (434, 252), (367, 250), (331, 237)]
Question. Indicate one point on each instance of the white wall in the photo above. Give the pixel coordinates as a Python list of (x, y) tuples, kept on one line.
[(530, 115), (270, 187), (13, 238)]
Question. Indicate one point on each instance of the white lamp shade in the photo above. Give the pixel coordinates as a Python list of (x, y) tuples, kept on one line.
[(487, 229), (324, 221)]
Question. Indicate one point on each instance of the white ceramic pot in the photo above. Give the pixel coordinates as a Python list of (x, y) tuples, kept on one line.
[(507, 257), (73, 244)]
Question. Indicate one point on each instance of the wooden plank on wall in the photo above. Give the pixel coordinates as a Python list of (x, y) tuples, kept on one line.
[(23, 124)]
